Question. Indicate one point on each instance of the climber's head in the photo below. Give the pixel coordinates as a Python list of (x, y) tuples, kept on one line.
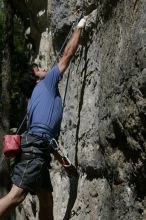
[(40, 73), (28, 81), (33, 75)]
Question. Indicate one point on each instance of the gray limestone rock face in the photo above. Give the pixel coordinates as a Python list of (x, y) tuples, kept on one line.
[(104, 124)]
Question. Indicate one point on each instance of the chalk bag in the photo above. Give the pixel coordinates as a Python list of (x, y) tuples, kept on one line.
[(11, 145)]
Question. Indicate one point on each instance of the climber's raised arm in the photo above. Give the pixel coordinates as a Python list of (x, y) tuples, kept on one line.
[(71, 46)]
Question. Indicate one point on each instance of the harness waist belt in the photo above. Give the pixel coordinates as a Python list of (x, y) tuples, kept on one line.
[(41, 128)]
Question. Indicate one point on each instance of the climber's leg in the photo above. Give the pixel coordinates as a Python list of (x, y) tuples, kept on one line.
[(12, 199), (46, 205)]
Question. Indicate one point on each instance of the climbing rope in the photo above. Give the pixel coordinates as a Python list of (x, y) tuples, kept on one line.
[(67, 38), (66, 87), (71, 62)]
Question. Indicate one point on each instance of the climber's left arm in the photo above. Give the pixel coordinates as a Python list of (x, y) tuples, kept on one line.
[(71, 46)]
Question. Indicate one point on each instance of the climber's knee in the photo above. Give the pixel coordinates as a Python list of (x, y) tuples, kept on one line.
[(16, 195)]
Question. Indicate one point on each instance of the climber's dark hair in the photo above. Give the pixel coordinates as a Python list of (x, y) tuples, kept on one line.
[(28, 81)]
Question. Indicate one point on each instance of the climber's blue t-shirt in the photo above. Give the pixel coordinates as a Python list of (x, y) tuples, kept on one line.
[(45, 104)]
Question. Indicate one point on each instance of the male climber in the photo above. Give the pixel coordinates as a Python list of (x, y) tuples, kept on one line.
[(30, 172)]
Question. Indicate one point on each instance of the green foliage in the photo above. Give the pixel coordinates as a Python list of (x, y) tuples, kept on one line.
[(18, 68), (1, 28), (18, 35), (1, 39)]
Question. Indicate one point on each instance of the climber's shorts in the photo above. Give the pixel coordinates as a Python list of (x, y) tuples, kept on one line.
[(31, 173)]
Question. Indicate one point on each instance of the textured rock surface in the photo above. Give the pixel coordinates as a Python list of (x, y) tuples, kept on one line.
[(104, 125)]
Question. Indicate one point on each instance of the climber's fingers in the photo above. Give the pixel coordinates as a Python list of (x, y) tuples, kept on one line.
[(82, 22)]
